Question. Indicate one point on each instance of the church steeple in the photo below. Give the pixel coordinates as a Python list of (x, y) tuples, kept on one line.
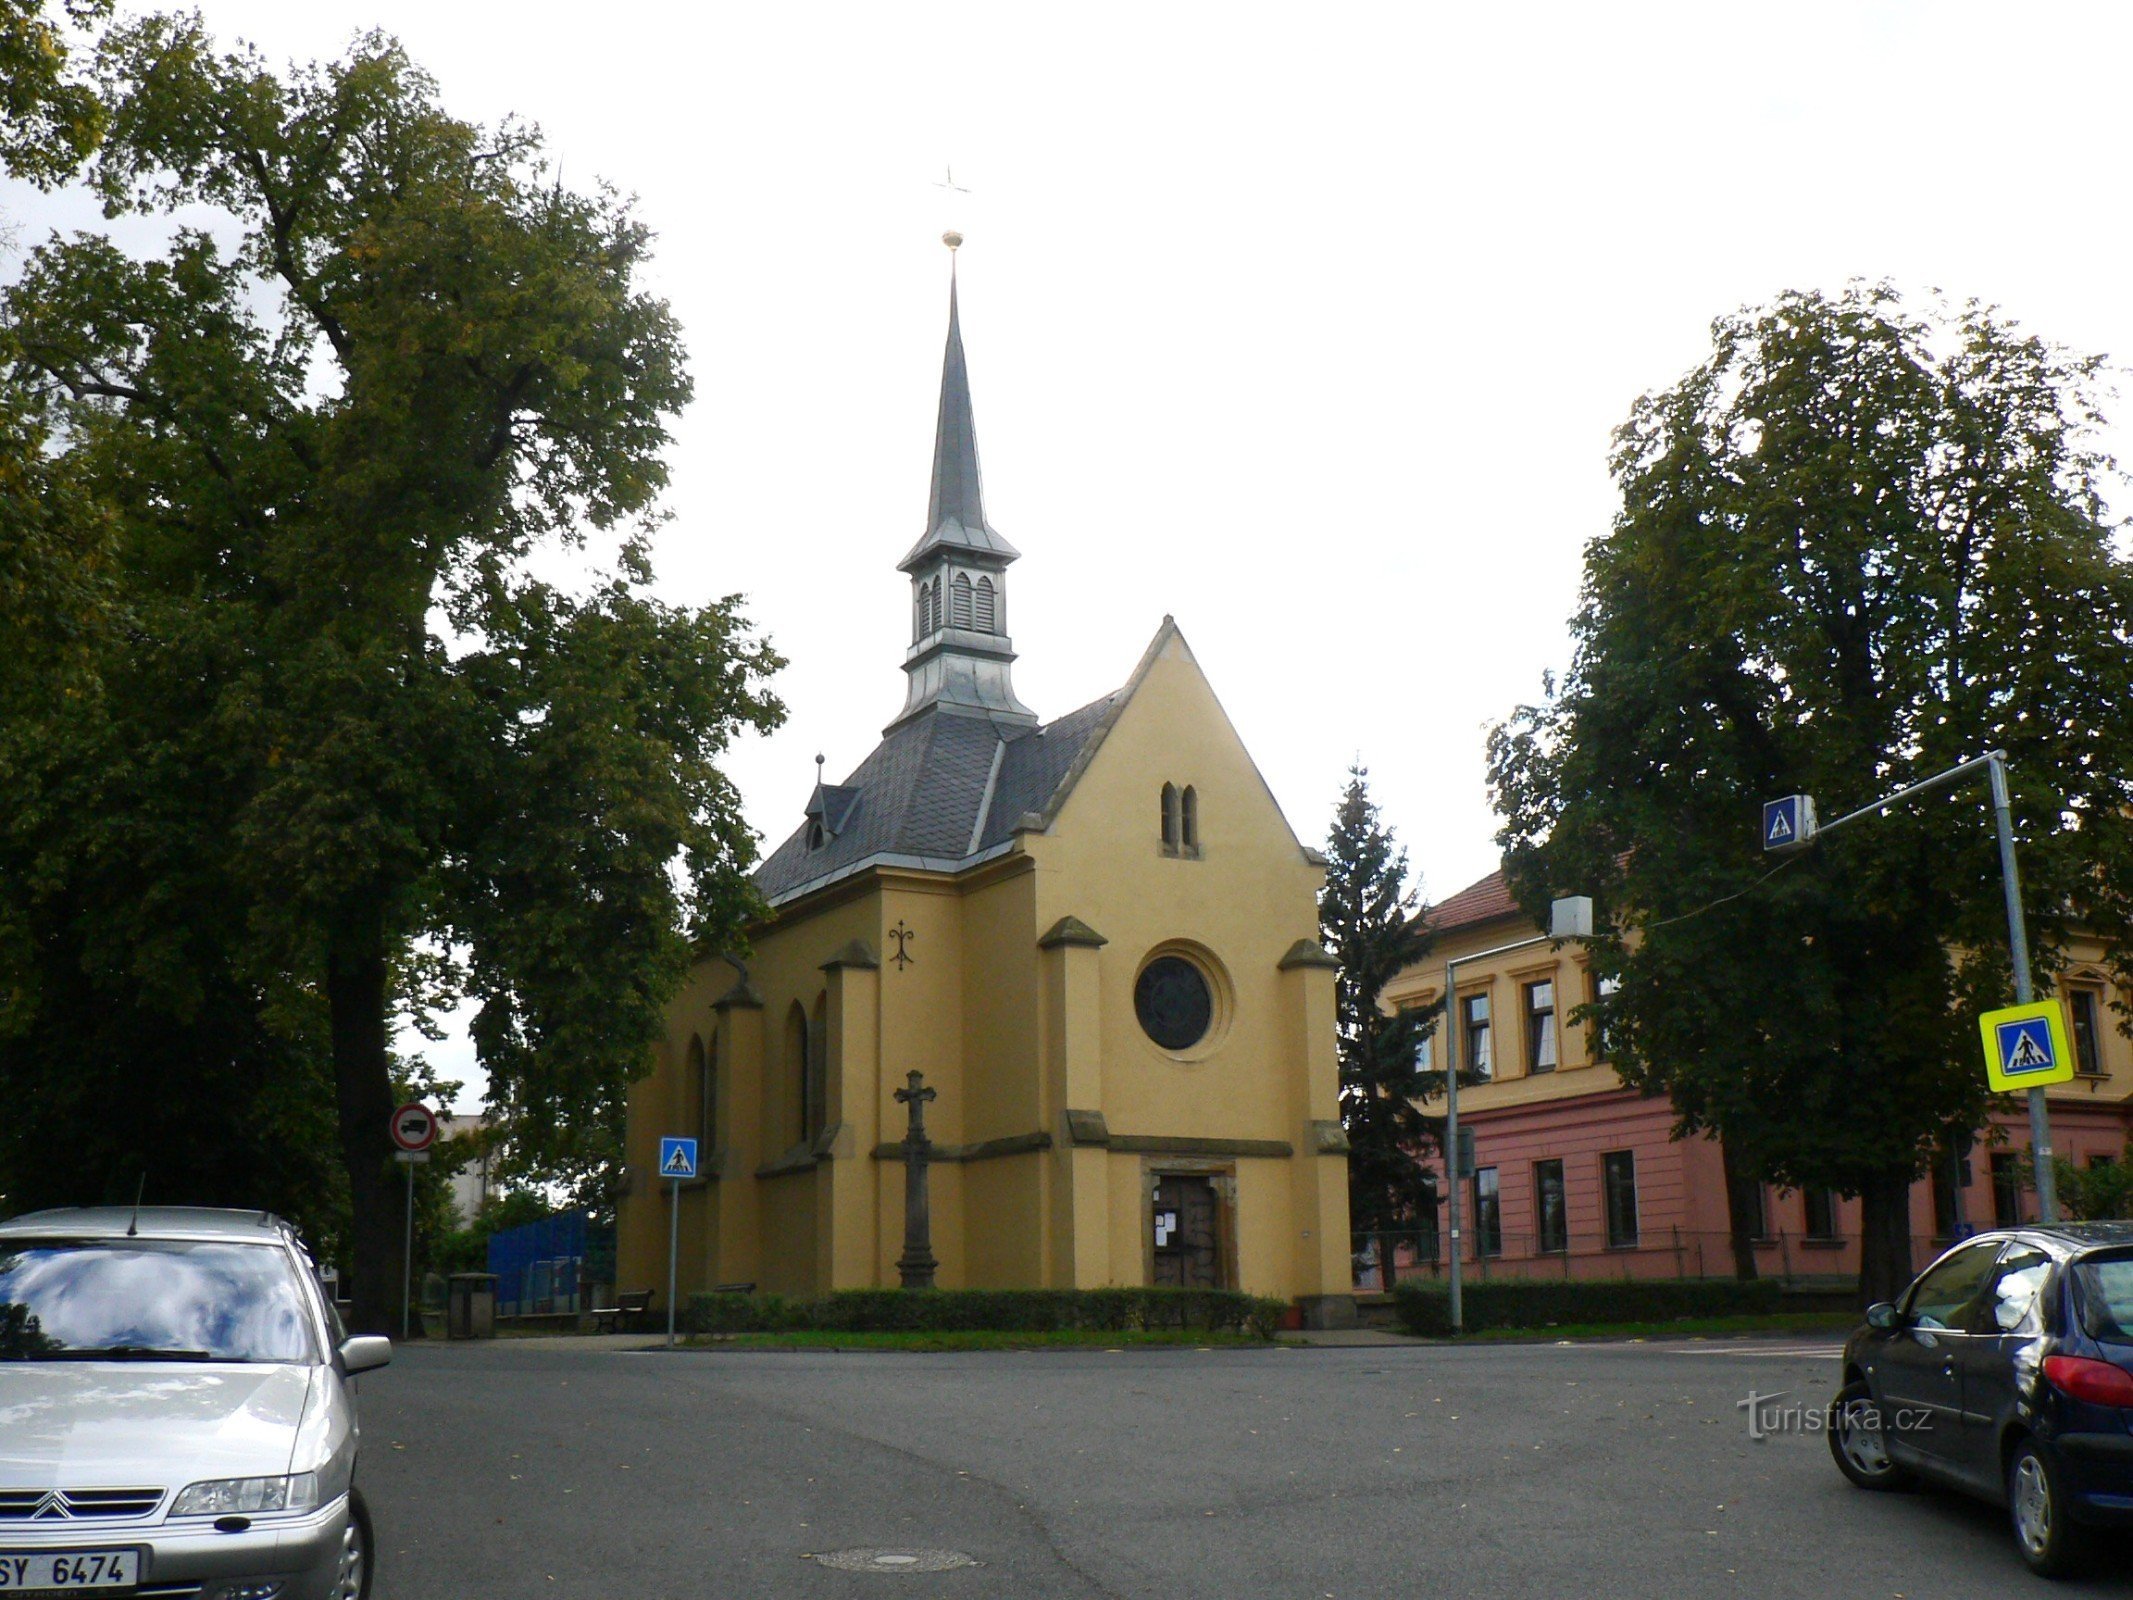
[(960, 655)]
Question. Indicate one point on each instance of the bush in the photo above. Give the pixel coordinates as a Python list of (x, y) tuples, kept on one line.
[(1427, 1310), (989, 1310)]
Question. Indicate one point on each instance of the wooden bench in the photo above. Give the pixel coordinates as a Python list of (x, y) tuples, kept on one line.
[(628, 1309)]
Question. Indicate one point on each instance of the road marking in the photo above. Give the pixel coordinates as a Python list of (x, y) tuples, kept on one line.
[(1815, 1352)]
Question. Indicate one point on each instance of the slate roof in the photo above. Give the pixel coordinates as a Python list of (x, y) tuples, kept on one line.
[(955, 512), (920, 794)]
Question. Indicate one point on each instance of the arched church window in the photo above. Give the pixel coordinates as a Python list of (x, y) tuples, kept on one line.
[(987, 607), (797, 1056), (818, 1070), (959, 602), (695, 1088), (707, 1104), (1173, 819), (1189, 820)]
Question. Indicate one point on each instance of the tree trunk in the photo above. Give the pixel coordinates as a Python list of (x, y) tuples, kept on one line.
[(1741, 1196), (1885, 1236), (357, 975)]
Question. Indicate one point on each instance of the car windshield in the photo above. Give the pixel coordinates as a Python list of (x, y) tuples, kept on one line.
[(2107, 1297), (150, 1300)]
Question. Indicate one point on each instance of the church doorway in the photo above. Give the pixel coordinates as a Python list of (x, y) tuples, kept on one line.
[(1186, 1220)]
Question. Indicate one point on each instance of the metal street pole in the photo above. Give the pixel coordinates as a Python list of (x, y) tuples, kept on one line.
[(2040, 1127), (673, 1255), (1995, 764), (1568, 918), (407, 1258)]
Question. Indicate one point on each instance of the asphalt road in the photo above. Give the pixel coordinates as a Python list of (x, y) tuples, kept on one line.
[(1537, 1472)]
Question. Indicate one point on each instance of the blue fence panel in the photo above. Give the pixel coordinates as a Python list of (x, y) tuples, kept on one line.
[(539, 1266)]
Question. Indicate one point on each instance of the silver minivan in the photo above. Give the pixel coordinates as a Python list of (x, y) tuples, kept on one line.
[(176, 1413)]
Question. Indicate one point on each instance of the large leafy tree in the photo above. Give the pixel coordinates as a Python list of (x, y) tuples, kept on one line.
[(1857, 545), (340, 722), (1368, 917)]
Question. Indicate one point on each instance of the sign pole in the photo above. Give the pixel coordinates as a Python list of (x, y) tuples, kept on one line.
[(673, 1255), (2040, 1127), (412, 1129), (407, 1257)]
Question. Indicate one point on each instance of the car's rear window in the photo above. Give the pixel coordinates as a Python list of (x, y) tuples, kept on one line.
[(2106, 1292), (146, 1300)]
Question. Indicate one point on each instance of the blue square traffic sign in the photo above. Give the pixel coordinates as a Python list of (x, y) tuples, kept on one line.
[(1788, 823), (2025, 1047), (677, 1158)]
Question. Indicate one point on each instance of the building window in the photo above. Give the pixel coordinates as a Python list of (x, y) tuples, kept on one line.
[(2006, 1188), (1425, 1043), (1474, 1017), (1540, 1026), (1551, 1219), (816, 838), (928, 616), (1600, 991), (1173, 819), (2087, 1008), (1189, 820), (1618, 1184), (818, 1042), (1755, 1211), (1488, 1214), (799, 1059), (960, 606), (1173, 1002), (1821, 1213), (696, 1085), (988, 614)]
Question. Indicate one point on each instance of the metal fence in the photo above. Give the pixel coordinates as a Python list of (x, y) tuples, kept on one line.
[(1671, 1253), (552, 1265)]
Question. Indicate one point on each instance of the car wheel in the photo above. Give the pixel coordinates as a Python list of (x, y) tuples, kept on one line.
[(1859, 1443), (2049, 1539), (357, 1545)]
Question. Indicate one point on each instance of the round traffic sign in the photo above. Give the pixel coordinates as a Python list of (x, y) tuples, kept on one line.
[(414, 1126)]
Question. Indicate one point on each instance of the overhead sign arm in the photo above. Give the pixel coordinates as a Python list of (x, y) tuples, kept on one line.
[(1795, 812)]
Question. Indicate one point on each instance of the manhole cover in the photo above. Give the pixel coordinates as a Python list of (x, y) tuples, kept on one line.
[(876, 1560)]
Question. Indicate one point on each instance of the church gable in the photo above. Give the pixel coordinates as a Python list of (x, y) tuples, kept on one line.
[(1166, 761)]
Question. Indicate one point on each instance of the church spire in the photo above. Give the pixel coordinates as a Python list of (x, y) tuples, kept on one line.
[(955, 515), (960, 654)]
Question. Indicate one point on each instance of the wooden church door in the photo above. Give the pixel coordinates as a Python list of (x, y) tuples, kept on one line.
[(1187, 1236)]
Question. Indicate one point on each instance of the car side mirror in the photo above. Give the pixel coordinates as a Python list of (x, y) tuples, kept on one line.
[(1883, 1316), (365, 1352)]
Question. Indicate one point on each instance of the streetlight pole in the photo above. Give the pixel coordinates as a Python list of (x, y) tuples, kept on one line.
[(1569, 918), (1994, 764)]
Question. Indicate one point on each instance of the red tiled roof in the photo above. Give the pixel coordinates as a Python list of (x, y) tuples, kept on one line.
[(1485, 901)]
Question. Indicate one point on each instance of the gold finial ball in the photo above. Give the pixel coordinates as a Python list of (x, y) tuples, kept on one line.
[(952, 239)]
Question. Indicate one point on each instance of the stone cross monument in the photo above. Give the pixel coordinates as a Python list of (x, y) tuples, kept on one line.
[(916, 1263)]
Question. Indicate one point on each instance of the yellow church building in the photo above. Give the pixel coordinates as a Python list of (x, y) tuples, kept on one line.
[(1096, 937)]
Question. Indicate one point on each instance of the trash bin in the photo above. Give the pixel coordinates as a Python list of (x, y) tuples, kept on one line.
[(470, 1307)]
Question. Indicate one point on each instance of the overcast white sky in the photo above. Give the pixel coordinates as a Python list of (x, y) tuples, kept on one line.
[(1307, 324)]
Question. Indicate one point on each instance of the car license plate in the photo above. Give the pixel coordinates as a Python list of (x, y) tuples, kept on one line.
[(69, 1571)]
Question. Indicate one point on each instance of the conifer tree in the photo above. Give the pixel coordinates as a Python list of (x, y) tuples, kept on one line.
[(1368, 917)]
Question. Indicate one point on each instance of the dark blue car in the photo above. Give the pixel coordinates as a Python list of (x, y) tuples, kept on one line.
[(2006, 1370)]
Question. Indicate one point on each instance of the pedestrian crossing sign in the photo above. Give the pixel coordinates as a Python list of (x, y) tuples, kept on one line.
[(2025, 1046), (677, 1158)]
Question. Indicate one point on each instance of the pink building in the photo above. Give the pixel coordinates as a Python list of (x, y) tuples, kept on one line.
[(1578, 1176)]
